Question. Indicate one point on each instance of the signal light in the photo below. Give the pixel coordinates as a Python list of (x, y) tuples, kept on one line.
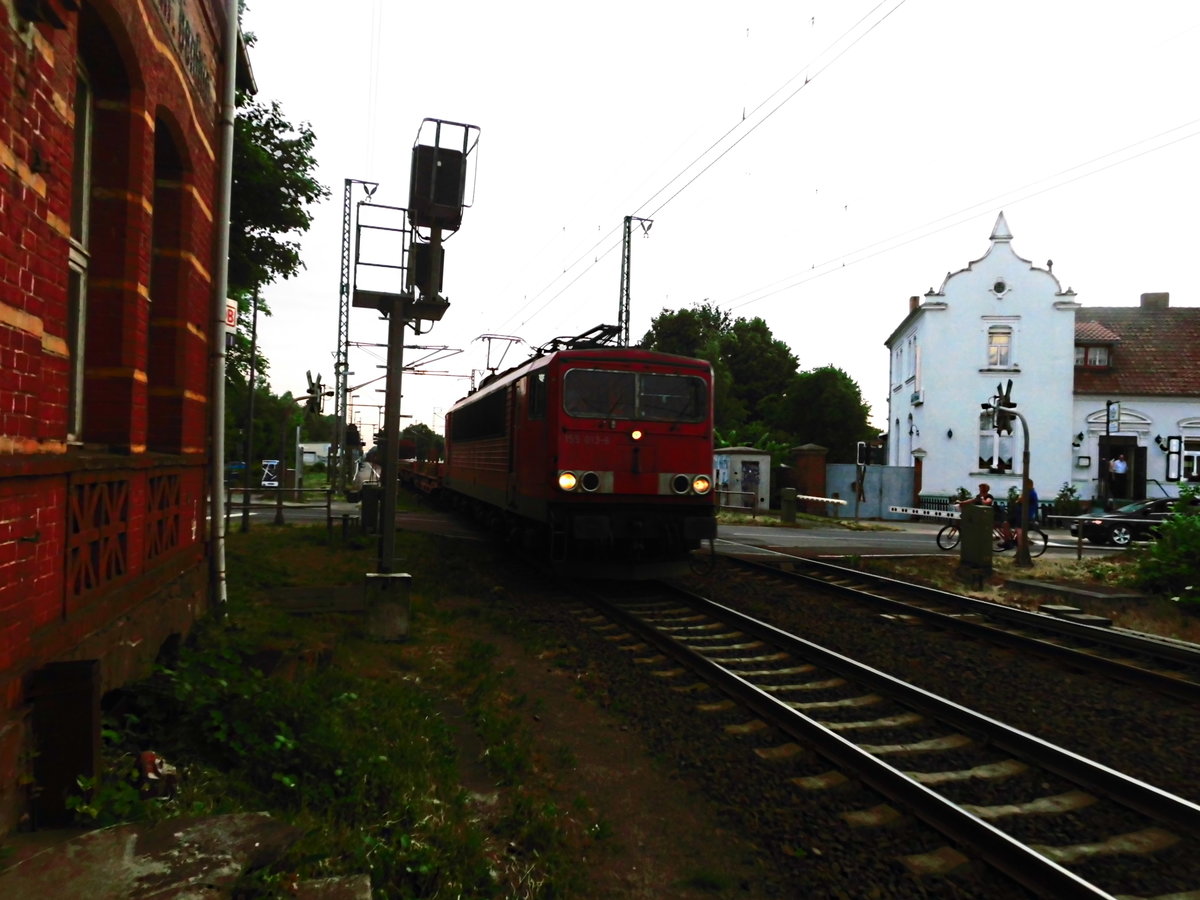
[(567, 481), (701, 484), (636, 435)]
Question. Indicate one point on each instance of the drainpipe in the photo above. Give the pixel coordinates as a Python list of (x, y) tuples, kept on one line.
[(218, 595)]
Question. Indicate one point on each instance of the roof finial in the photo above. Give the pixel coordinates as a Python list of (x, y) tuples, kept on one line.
[(1001, 232)]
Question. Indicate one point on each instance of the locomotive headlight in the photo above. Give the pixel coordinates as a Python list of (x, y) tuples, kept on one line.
[(636, 435), (701, 484), (567, 481)]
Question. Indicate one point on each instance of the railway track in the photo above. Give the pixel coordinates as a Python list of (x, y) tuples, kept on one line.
[(1167, 666), (1056, 823)]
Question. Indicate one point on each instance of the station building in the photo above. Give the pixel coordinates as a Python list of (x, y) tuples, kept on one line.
[(109, 157)]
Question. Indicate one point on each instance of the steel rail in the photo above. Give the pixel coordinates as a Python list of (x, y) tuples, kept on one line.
[(1177, 653), (1016, 860)]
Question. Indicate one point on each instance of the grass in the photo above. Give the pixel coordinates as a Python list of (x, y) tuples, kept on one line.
[(1150, 614), (307, 719)]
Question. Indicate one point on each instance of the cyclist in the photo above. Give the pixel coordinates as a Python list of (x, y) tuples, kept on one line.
[(983, 498), (1012, 528)]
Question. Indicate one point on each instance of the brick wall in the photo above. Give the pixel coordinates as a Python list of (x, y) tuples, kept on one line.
[(102, 516)]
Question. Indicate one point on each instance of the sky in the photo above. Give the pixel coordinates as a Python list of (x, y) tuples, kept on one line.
[(814, 163)]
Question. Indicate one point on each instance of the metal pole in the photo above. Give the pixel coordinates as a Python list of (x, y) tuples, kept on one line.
[(391, 438), (281, 475), (246, 476), (623, 309), (1023, 560), (341, 366), (218, 589)]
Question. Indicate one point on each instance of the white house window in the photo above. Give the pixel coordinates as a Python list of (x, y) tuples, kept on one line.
[(995, 450), (999, 347), (1096, 357), (1191, 459)]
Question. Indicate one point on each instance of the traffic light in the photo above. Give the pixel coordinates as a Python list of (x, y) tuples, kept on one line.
[(352, 437)]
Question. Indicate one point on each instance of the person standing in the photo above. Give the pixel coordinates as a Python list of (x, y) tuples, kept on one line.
[(1120, 469)]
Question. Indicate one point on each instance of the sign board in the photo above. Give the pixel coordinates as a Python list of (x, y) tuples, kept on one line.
[(231, 314), (270, 473)]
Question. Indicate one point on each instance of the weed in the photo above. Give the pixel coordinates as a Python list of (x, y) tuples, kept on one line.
[(354, 753)]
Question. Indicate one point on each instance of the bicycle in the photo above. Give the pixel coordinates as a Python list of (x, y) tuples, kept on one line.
[(949, 537)]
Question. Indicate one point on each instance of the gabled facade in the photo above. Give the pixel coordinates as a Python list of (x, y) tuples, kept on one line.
[(1002, 318), (109, 154)]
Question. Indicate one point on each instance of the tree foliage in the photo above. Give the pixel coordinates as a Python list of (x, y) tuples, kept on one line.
[(761, 399), (823, 406), (273, 186), (427, 444)]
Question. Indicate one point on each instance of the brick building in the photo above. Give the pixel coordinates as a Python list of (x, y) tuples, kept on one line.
[(109, 160)]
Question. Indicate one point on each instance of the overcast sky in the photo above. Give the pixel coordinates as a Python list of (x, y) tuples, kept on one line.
[(813, 162)]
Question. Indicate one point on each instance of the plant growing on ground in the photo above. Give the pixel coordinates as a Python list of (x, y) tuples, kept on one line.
[(1171, 564)]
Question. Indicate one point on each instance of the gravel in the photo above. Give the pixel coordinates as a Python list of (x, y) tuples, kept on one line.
[(808, 849)]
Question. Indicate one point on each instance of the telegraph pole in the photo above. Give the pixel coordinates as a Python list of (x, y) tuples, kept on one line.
[(623, 311), (341, 367)]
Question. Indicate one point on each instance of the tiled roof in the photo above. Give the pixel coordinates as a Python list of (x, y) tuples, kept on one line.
[(1158, 353), (1093, 333)]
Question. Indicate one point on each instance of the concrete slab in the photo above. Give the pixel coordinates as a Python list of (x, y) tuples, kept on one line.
[(192, 857)]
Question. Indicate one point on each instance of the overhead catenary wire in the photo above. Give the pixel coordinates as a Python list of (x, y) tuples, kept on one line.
[(748, 124), (950, 220)]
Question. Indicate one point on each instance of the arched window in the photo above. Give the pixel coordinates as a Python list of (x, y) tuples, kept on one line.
[(167, 355)]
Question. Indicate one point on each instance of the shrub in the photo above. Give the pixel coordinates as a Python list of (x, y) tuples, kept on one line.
[(1171, 564)]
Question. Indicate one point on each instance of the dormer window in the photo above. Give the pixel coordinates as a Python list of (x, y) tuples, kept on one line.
[(1093, 357)]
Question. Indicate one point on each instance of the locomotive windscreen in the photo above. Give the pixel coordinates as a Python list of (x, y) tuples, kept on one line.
[(609, 394)]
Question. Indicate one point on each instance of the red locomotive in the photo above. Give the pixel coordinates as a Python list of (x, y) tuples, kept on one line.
[(594, 452)]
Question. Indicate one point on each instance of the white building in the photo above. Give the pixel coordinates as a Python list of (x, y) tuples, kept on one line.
[(1071, 367)]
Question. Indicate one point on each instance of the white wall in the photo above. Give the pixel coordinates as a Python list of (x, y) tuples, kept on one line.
[(954, 376)]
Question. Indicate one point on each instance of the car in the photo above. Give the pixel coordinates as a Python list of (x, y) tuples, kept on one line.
[(1135, 521)]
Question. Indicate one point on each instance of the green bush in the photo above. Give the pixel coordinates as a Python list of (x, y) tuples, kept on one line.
[(1171, 564)]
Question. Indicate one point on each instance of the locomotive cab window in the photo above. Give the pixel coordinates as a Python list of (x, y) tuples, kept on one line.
[(671, 398), (608, 394)]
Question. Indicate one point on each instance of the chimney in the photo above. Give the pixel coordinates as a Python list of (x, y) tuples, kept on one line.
[(914, 302), (1156, 301)]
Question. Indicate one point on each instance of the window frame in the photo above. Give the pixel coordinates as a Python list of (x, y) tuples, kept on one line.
[(78, 256), (994, 346)]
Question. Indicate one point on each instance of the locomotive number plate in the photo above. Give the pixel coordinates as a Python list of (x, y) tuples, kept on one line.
[(590, 438)]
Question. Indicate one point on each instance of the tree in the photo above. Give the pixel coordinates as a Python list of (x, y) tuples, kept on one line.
[(273, 186), (761, 365), (697, 332), (749, 363), (427, 444), (823, 406)]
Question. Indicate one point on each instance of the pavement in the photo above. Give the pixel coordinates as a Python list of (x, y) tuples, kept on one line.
[(179, 859)]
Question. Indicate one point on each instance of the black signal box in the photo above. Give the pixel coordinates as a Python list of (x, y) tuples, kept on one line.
[(436, 187)]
